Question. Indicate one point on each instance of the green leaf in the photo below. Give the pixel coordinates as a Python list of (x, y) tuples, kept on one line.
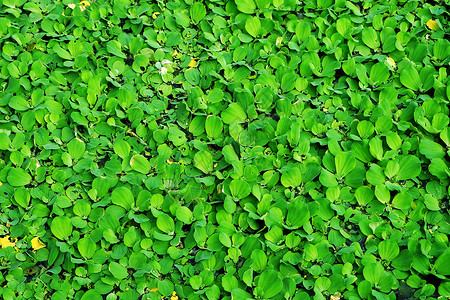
[(117, 270), (233, 114), (165, 223), (270, 283), (5, 142), (122, 148), (91, 295), (373, 272), (441, 265), (370, 37), (259, 260), (86, 247), (431, 149), (297, 214), (409, 168), (64, 54), (22, 197), (61, 227), (203, 161), (18, 177), (291, 177), (246, 6), (239, 189), (402, 201), (198, 12), (76, 148), (140, 164), (388, 250), (185, 215), (253, 26), (302, 31), (19, 103), (410, 78), (115, 48), (344, 26), (345, 163), (213, 127), (192, 76), (122, 196)]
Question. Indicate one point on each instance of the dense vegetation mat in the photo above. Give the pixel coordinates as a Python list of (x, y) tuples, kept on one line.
[(242, 149)]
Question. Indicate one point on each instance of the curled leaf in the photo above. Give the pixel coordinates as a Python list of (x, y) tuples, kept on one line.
[(37, 244)]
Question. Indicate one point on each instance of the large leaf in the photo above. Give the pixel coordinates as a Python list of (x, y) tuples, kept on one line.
[(140, 164), (297, 214), (61, 227), (198, 12), (203, 160), (345, 163), (410, 78), (234, 113), (246, 6), (388, 250), (253, 26), (122, 196), (270, 283), (409, 168), (18, 177)]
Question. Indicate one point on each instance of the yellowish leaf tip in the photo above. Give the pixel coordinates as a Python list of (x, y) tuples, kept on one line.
[(432, 24), (391, 62), (192, 64), (36, 244), (7, 242)]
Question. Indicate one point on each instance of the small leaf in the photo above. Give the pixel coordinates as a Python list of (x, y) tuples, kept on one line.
[(432, 24), (36, 244), (234, 113), (345, 163)]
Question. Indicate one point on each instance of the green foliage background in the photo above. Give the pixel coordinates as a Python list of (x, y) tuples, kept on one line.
[(243, 149)]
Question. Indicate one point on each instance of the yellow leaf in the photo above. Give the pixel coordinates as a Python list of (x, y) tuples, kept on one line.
[(36, 244), (174, 296), (192, 64), (432, 24), (391, 62), (71, 5), (155, 14), (6, 242), (154, 290), (175, 53), (85, 3)]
